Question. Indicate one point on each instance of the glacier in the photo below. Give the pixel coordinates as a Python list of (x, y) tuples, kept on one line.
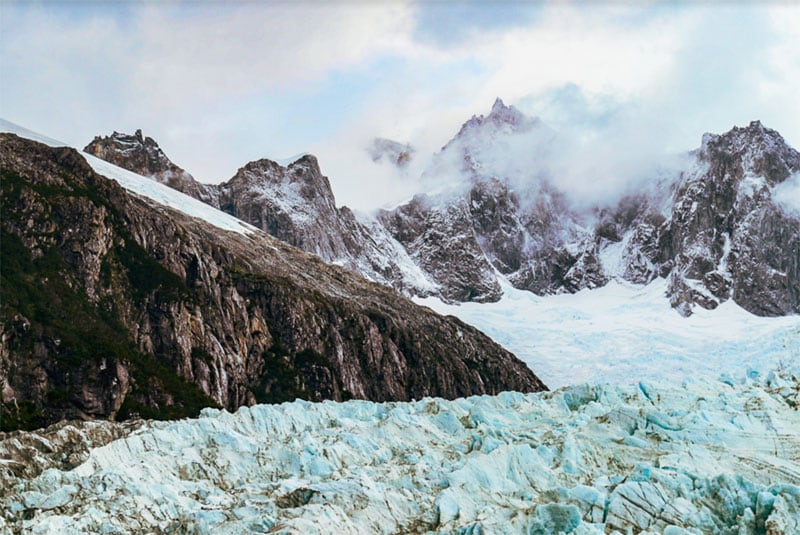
[(705, 456), (624, 332)]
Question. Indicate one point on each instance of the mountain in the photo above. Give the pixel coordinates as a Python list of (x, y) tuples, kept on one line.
[(115, 305), (713, 229), (293, 202), (726, 236), (493, 211), (143, 156)]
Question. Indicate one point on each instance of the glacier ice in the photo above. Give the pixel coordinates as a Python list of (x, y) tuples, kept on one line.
[(701, 457), (625, 332)]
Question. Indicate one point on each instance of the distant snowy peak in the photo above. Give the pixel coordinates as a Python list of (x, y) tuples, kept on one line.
[(143, 156), (726, 236), (505, 144), (390, 151), (760, 151), (501, 116)]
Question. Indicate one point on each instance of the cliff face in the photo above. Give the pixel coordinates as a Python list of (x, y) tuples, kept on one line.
[(727, 237), (114, 305)]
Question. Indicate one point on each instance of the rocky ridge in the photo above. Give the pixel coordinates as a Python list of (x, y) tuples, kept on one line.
[(293, 202), (114, 305), (143, 156), (712, 229)]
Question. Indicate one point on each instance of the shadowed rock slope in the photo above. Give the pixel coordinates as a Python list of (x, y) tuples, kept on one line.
[(115, 306)]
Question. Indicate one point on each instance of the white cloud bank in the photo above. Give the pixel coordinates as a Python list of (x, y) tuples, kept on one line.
[(222, 84)]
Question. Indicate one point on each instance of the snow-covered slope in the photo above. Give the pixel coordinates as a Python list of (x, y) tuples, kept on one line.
[(624, 332), (703, 457), (143, 186)]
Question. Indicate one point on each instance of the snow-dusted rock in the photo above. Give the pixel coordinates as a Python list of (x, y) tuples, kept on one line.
[(143, 156)]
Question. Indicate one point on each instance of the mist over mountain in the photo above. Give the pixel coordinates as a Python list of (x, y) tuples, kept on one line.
[(496, 207)]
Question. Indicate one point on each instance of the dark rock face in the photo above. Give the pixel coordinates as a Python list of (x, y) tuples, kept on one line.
[(143, 156), (441, 242), (114, 306), (726, 238)]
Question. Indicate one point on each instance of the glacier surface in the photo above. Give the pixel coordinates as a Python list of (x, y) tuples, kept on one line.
[(703, 457), (624, 332)]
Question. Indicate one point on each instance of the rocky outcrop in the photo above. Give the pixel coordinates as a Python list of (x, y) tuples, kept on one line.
[(115, 306), (143, 156), (439, 239), (726, 237)]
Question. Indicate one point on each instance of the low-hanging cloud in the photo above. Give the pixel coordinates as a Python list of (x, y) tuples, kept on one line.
[(218, 85)]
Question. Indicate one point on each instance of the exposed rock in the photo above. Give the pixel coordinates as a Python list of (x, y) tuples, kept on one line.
[(726, 238), (143, 156), (713, 230), (441, 241), (114, 305)]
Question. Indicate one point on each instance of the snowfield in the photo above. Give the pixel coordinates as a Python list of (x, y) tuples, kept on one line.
[(622, 333), (717, 457)]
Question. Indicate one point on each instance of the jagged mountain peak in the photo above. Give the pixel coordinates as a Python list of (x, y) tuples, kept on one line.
[(143, 156), (268, 173), (758, 150), (500, 117), (501, 113)]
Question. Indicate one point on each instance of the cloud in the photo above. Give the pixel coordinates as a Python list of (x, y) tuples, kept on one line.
[(219, 84)]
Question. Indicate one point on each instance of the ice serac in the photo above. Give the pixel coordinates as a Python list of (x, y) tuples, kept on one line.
[(701, 457), (143, 156), (726, 236), (115, 305)]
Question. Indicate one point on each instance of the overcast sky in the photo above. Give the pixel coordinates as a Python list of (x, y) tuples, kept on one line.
[(218, 85)]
